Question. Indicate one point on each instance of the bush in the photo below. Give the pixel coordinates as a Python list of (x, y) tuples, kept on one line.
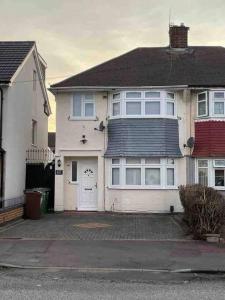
[(204, 209)]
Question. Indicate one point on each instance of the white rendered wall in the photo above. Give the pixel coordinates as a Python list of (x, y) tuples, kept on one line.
[(21, 105)]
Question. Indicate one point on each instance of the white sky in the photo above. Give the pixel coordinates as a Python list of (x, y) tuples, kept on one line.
[(73, 35)]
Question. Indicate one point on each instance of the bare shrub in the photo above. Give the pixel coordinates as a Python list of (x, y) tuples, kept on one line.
[(204, 209)]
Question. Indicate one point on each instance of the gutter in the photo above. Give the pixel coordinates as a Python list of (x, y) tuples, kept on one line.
[(2, 152)]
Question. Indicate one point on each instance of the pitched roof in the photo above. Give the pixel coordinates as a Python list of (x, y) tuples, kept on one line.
[(12, 55), (162, 66), (143, 138)]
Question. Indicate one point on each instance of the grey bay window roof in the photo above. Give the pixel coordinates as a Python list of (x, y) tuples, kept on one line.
[(12, 54), (143, 138), (159, 66)]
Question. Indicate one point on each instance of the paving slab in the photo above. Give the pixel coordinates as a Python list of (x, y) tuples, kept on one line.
[(97, 227), (114, 255)]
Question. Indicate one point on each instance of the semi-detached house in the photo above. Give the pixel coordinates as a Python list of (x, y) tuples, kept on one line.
[(131, 130)]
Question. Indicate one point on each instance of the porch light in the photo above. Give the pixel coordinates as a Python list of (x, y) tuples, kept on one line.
[(83, 140)]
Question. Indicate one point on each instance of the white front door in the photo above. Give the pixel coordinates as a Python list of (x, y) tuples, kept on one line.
[(88, 186)]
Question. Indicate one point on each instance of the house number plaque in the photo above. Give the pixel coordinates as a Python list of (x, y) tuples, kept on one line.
[(58, 172)]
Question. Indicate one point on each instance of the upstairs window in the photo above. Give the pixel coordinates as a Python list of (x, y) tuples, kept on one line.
[(83, 105), (211, 104), (218, 104), (143, 104), (202, 104)]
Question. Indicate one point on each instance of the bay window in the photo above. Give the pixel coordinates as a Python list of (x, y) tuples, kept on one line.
[(143, 104), (211, 104), (83, 105), (143, 172), (211, 172)]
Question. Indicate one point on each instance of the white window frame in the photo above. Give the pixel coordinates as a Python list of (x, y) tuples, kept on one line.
[(211, 172), (215, 100), (163, 100), (83, 102), (163, 166), (206, 100), (210, 104), (71, 172)]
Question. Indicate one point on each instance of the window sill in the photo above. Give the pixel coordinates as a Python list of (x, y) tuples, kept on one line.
[(141, 188), (144, 117), (82, 118)]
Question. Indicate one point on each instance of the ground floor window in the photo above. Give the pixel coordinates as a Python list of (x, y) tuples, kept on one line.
[(144, 172), (211, 172)]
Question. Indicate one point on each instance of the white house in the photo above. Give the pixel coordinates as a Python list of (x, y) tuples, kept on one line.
[(24, 113), (131, 130)]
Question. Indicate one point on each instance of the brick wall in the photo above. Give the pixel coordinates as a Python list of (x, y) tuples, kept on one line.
[(11, 214)]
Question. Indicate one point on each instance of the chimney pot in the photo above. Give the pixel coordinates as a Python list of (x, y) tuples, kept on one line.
[(178, 36)]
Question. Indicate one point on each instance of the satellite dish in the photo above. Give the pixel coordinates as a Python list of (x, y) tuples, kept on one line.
[(190, 142), (101, 127)]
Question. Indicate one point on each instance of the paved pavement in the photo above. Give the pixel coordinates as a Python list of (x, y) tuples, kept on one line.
[(97, 227), (113, 255)]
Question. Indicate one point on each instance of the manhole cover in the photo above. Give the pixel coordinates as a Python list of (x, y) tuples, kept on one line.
[(92, 225)]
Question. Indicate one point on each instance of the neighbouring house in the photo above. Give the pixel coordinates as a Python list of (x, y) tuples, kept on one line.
[(24, 114), (131, 130), (51, 141)]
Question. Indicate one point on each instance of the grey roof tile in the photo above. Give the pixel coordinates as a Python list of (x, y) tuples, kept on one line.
[(143, 138), (160, 66), (12, 55)]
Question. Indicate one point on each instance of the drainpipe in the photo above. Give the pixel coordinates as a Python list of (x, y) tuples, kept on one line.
[(1, 150)]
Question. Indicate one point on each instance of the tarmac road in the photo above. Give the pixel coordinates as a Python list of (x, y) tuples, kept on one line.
[(55, 284)]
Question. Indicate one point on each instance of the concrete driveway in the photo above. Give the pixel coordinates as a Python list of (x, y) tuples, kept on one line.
[(96, 226)]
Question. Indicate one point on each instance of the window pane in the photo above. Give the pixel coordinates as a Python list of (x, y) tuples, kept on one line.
[(219, 108), (203, 176), (202, 108), (74, 171), (89, 109), (202, 96), (77, 105), (170, 161), (88, 96), (116, 109), (170, 176), (152, 161), (152, 176), (133, 108), (116, 96), (170, 108), (133, 161), (115, 176), (170, 95), (219, 162), (152, 108), (133, 95), (219, 177), (203, 163), (219, 95), (133, 176), (152, 95), (115, 161)]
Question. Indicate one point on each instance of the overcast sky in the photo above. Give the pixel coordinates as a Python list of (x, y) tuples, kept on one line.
[(73, 35)]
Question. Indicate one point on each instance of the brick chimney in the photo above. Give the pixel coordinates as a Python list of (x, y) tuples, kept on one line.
[(178, 36)]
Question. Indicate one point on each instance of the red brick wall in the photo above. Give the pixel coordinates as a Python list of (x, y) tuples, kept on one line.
[(11, 214), (209, 139), (178, 36)]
